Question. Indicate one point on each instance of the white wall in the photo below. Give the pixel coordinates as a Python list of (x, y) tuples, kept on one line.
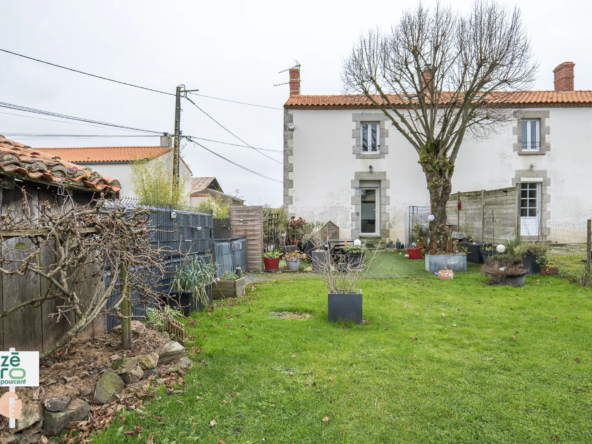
[(324, 166), (123, 173)]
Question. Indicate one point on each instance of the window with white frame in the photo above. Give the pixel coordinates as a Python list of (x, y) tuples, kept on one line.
[(531, 134), (370, 135)]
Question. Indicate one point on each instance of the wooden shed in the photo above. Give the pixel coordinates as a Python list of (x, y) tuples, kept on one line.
[(45, 179)]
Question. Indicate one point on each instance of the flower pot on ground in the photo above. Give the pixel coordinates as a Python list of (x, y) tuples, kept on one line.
[(345, 307), (474, 252), (355, 255), (505, 269), (414, 253), (437, 262), (549, 270), (486, 251), (318, 259), (271, 260), (534, 256), (293, 260), (191, 284), (229, 286)]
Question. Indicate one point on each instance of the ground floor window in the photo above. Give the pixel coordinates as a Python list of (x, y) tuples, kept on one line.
[(369, 211)]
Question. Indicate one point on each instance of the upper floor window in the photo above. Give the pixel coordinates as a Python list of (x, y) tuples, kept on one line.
[(370, 137), (531, 134)]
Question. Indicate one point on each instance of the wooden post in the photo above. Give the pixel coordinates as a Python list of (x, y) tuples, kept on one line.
[(518, 221), (483, 216), (588, 248), (457, 210), (126, 309)]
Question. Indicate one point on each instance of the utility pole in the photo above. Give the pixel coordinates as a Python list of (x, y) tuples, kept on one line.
[(177, 142)]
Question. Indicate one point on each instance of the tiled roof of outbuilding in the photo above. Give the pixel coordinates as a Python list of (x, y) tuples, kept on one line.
[(103, 154), (510, 99), (21, 160)]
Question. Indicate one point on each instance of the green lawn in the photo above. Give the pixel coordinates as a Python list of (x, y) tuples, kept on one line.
[(396, 265), (505, 373)]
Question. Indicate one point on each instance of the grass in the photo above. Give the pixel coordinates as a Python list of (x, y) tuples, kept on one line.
[(505, 373), (396, 265)]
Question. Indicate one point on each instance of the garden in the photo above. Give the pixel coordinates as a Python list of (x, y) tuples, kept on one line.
[(472, 358)]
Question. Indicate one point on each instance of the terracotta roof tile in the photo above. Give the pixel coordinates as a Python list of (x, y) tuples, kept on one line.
[(16, 158), (107, 153), (506, 99)]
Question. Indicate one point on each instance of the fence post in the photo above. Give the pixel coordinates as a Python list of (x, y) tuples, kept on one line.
[(588, 248), (483, 216), (458, 210), (125, 308)]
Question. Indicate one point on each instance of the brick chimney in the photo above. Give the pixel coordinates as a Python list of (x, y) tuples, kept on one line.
[(426, 78), (295, 81), (564, 77)]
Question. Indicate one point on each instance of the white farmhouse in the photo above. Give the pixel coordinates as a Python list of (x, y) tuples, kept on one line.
[(116, 161), (344, 162)]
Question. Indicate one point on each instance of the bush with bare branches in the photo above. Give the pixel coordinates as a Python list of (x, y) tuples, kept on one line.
[(83, 241)]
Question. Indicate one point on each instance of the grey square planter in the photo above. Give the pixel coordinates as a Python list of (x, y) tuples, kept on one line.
[(437, 262), (318, 258), (345, 307)]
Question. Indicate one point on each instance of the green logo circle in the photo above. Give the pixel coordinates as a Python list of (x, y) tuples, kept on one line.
[(24, 373)]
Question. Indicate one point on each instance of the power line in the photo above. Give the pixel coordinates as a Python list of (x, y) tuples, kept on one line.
[(63, 116), (125, 83), (230, 132), (86, 73), (29, 135), (234, 163), (52, 120), (240, 103), (234, 144)]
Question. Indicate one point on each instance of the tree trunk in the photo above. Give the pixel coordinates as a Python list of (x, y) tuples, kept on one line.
[(438, 172), (126, 309)]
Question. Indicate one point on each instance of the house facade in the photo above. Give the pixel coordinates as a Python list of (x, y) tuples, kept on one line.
[(116, 161), (345, 162)]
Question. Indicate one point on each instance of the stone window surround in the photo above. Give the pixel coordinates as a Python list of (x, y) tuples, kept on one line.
[(357, 134), (288, 152), (542, 115), (384, 201), (545, 199)]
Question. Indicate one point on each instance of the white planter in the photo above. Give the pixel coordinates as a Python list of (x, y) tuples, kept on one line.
[(437, 262)]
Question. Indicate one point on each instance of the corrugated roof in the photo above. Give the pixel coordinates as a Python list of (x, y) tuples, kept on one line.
[(198, 184), (104, 154), (510, 99), (22, 160)]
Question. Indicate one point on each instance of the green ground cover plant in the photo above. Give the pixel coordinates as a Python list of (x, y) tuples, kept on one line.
[(435, 362)]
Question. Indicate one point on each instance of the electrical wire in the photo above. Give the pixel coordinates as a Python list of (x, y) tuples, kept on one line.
[(86, 73), (63, 116), (234, 101), (234, 163), (128, 84), (230, 132), (234, 144)]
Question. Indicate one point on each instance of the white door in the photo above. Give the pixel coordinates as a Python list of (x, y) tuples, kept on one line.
[(370, 211), (530, 209)]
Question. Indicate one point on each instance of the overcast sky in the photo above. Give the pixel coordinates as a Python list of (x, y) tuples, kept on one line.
[(226, 49)]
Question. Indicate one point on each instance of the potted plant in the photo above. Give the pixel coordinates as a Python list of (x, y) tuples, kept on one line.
[(549, 269), (534, 256), (344, 285), (486, 251), (318, 258), (271, 260), (505, 269), (188, 290), (415, 253), (420, 234), (293, 260), (230, 285), (355, 255)]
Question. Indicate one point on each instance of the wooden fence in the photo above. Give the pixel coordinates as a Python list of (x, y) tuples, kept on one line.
[(487, 216), (31, 328), (248, 222)]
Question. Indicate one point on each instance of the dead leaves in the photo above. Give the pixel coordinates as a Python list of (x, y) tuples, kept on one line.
[(213, 423), (150, 439), (414, 339), (578, 360), (326, 419)]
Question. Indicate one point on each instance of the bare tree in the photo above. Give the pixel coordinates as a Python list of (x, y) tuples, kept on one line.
[(82, 241), (440, 77)]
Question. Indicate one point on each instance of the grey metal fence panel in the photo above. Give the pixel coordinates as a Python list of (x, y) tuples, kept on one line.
[(229, 254), (179, 232)]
